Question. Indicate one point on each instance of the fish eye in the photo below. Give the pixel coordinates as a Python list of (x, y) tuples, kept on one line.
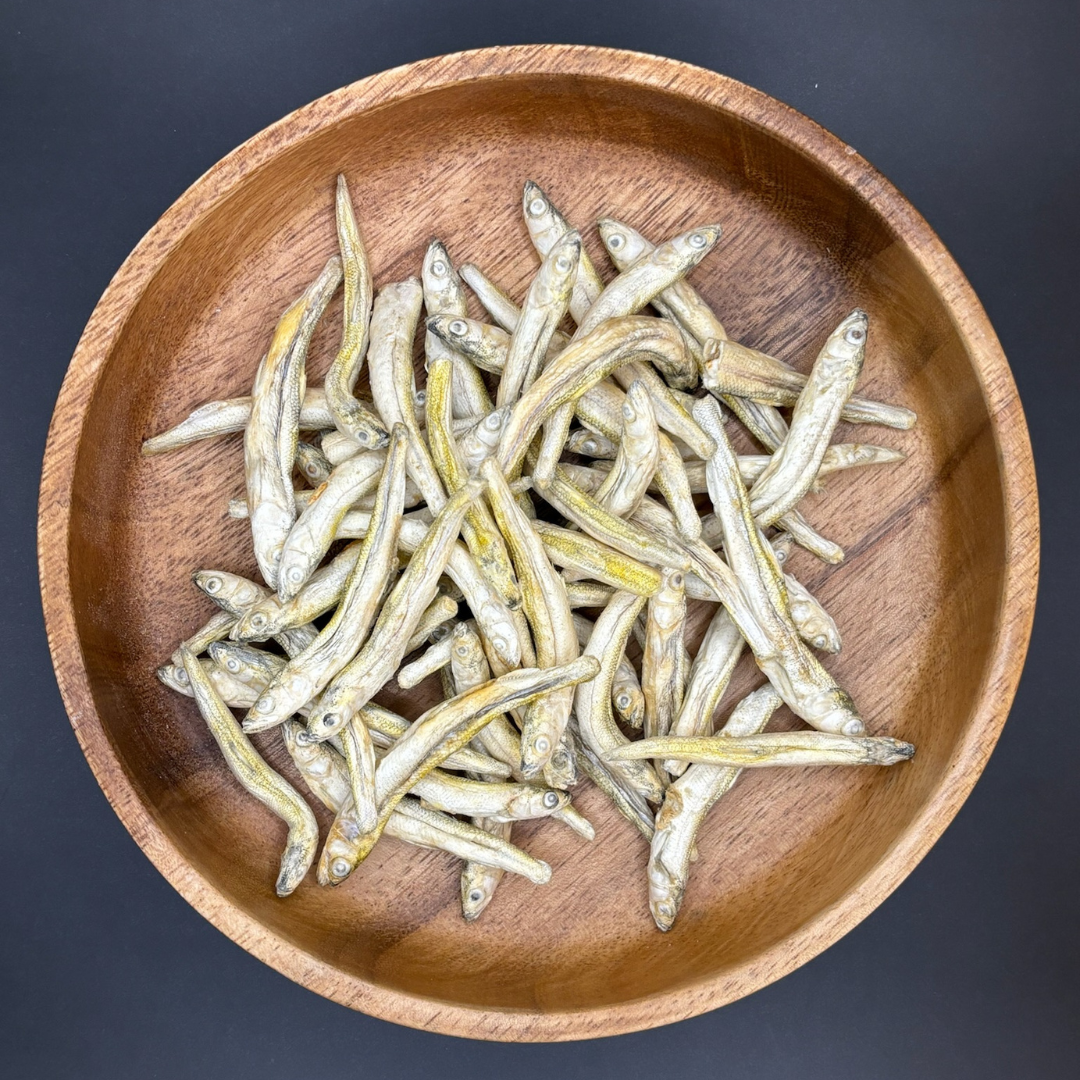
[(697, 240), (329, 720), (420, 397), (541, 744), (232, 664), (537, 206), (302, 737), (628, 411), (212, 584), (295, 573), (258, 620), (340, 867), (551, 800), (476, 896), (492, 422), (363, 437), (589, 446), (623, 701), (462, 650), (438, 268), (616, 241), (181, 674), (820, 642), (458, 326), (499, 643), (264, 704), (676, 580), (855, 335), (562, 263)]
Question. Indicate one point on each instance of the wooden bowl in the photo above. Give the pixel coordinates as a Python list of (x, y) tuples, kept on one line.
[(934, 600)]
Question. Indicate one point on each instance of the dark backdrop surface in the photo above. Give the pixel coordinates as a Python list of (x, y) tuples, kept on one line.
[(109, 110)]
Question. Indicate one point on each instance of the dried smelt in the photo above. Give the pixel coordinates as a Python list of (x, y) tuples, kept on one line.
[(637, 457), (272, 433), (583, 554), (358, 750), (545, 304), (444, 295), (731, 368), (815, 625), (625, 536), (435, 657), (543, 597), (351, 416), (752, 589), (235, 694), (795, 464), (593, 444), (309, 673), (496, 303), (781, 748), (546, 228), (592, 700), (626, 696), (441, 610), (232, 415), (662, 670), (314, 530), (381, 654), (390, 368), (710, 674), (687, 801), (499, 801), (387, 727), (274, 792), (480, 532)]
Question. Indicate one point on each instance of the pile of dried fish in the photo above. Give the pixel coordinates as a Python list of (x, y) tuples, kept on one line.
[(547, 475)]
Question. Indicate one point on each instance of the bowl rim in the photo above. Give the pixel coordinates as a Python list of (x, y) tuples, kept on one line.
[(1008, 429)]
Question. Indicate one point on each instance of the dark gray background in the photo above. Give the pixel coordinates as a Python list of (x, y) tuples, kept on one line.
[(109, 110)]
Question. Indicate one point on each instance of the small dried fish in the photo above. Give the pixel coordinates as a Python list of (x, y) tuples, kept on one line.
[(232, 415), (592, 700), (351, 416), (443, 295), (686, 803), (272, 433), (544, 306), (786, 748), (267, 786)]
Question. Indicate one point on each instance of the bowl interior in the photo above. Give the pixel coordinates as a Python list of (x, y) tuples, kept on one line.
[(916, 599)]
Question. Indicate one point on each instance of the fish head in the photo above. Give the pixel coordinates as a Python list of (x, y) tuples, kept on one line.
[(555, 280), (332, 713), (687, 250), (625, 245), (846, 347)]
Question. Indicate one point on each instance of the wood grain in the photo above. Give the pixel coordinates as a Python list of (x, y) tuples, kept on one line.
[(934, 601)]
